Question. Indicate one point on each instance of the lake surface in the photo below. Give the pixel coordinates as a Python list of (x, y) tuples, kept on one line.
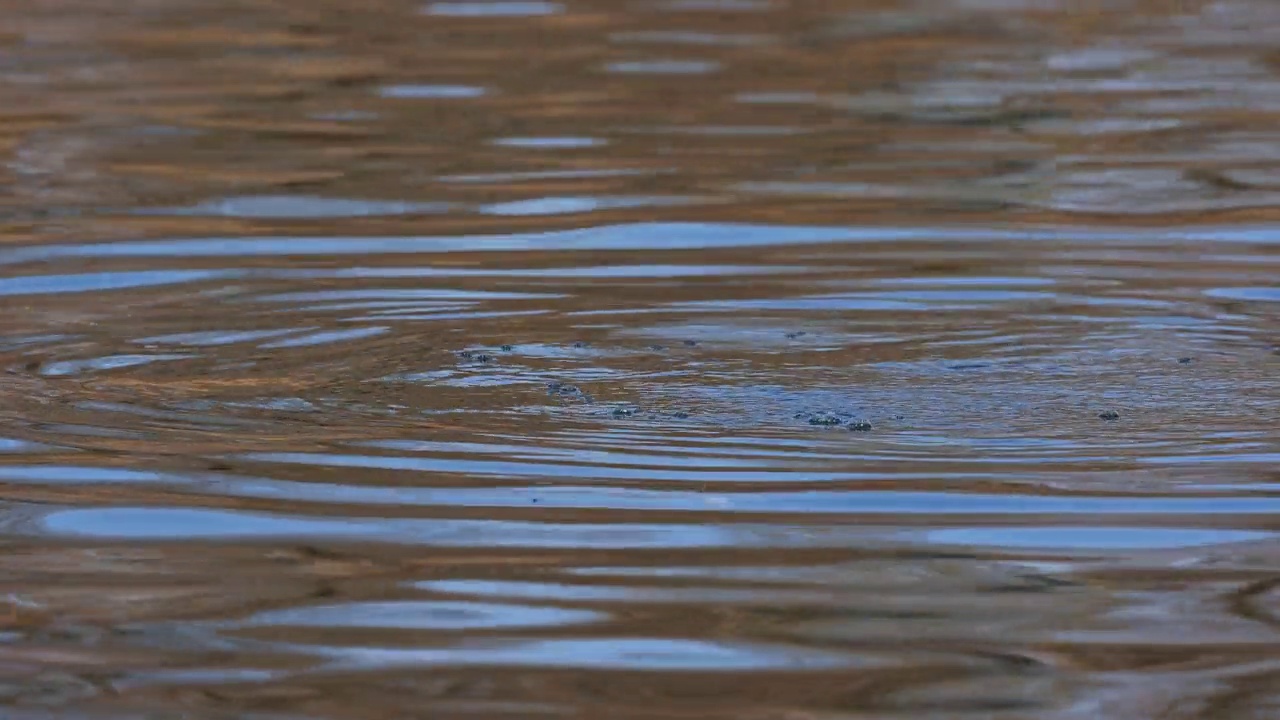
[(635, 359)]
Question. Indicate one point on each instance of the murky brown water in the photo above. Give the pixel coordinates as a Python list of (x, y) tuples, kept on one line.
[(639, 359)]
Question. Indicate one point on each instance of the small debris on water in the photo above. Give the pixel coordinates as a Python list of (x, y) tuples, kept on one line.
[(796, 334), (1109, 415), (1184, 361), (571, 392), (476, 356), (860, 426)]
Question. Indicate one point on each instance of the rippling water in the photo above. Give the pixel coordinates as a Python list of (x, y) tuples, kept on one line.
[(651, 359)]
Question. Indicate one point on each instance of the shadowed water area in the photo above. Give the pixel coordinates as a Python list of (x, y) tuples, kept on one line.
[(750, 359)]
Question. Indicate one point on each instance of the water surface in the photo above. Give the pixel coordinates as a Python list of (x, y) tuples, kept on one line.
[(716, 359)]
